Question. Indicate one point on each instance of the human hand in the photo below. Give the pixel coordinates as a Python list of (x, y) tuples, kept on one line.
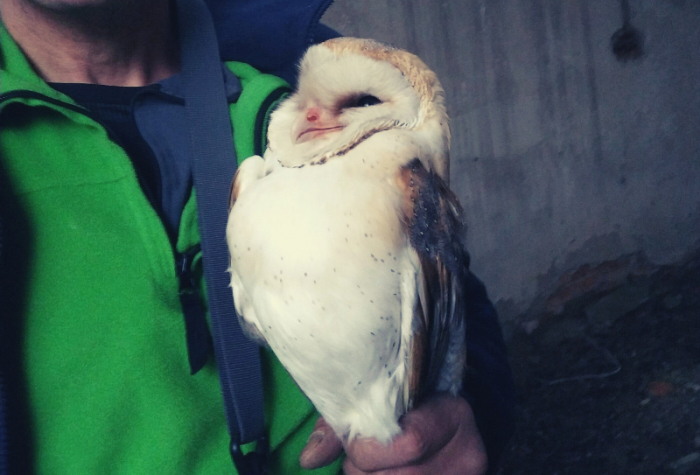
[(440, 436)]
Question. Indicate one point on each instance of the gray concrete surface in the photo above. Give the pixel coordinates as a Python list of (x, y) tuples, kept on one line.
[(561, 154)]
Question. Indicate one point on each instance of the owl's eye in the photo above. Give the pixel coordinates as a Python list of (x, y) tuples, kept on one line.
[(364, 100), (367, 100)]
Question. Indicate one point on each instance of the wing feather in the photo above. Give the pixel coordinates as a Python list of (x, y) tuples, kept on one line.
[(432, 217), (249, 172)]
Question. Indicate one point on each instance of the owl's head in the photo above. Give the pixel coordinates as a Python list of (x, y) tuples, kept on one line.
[(349, 90)]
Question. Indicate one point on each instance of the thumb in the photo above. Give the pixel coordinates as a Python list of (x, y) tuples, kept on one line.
[(322, 448)]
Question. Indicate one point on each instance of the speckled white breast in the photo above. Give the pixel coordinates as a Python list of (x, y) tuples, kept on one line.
[(321, 255)]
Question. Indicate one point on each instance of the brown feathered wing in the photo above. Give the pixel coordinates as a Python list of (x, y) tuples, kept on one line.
[(432, 217)]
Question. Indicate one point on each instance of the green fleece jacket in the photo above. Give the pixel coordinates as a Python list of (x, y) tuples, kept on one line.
[(103, 350)]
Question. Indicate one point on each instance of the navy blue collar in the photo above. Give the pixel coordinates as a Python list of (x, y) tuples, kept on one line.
[(172, 86)]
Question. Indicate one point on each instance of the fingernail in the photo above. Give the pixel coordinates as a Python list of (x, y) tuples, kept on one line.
[(315, 439)]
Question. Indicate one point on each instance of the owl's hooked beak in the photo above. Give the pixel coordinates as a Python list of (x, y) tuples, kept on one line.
[(313, 122)]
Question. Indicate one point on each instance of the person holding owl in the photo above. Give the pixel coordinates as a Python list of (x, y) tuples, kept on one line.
[(96, 204)]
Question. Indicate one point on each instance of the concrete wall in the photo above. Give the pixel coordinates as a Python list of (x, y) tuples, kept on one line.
[(561, 154)]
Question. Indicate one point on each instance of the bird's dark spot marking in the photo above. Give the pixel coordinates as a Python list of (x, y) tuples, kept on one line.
[(389, 254), (382, 260), (371, 301), (394, 258), (392, 270), (386, 365), (334, 269), (371, 333), (299, 320), (323, 308), (362, 293), (359, 382), (269, 327), (365, 236), (381, 318), (393, 345), (305, 274), (390, 374), (249, 249), (346, 239), (314, 281), (274, 277)]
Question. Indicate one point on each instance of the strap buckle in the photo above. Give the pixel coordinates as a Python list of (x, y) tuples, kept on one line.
[(252, 463)]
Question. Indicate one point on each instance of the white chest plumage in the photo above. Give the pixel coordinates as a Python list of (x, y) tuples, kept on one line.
[(323, 259)]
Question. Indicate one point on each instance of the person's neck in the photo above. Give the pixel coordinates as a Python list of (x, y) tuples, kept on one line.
[(131, 44)]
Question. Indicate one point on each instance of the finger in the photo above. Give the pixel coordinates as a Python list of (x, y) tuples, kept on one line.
[(322, 448), (426, 430), (456, 461), (349, 468), (464, 454)]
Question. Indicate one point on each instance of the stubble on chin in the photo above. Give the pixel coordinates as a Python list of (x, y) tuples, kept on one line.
[(67, 6)]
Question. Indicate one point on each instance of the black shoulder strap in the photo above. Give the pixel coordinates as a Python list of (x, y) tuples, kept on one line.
[(214, 164)]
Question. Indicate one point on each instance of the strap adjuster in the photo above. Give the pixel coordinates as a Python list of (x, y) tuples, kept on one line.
[(252, 463)]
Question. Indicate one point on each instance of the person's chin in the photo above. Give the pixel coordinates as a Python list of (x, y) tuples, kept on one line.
[(70, 5)]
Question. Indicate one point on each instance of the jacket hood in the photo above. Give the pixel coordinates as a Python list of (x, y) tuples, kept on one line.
[(270, 35)]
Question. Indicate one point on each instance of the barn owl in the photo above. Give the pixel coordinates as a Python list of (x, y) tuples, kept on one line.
[(345, 241)]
